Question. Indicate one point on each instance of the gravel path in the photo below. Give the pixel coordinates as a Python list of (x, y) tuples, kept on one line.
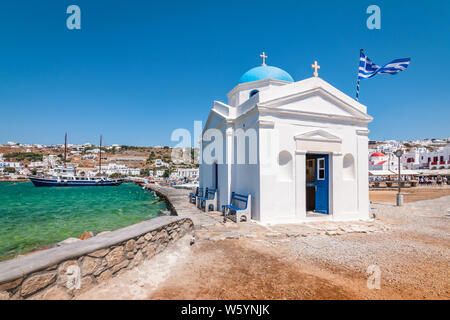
[(413, 254)]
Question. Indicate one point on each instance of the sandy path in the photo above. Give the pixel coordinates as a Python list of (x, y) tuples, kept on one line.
[(409, 194)]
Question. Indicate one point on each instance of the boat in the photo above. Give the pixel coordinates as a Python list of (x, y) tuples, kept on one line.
[(65, 181), (66, 176)]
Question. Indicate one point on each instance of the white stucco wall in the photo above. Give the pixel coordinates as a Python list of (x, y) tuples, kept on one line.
[(279, 115)]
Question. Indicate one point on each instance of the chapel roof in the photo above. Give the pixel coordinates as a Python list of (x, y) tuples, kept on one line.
[(265, 72)]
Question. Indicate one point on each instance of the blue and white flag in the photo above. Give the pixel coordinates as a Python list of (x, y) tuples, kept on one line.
[(368, 69)]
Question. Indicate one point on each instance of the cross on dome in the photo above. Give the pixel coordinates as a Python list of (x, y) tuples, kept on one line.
[(263, 56)]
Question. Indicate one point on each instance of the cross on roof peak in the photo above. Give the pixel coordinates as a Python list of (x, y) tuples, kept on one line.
[(315, 66)]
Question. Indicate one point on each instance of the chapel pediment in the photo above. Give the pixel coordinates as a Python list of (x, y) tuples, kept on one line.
[(318, 135), (315, 101)]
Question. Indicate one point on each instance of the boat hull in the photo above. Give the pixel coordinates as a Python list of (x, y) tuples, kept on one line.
[(44, 182)]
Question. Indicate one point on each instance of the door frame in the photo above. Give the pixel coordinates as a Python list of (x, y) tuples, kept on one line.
[(327, 157)]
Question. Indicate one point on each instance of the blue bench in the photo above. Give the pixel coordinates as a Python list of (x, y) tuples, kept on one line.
[(209, 199), (193, 195), (241, 211), (196, 197)]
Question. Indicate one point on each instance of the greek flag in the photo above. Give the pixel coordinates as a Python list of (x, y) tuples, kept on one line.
[(368, 69)]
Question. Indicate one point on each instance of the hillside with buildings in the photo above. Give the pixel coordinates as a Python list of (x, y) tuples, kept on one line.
[(18, 160), (427, 157)]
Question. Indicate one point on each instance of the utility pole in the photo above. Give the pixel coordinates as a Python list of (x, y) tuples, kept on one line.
[(100, 157), (399, 154), (65, 149)]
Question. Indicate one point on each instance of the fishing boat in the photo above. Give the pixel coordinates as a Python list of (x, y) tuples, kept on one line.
[(66, 176)]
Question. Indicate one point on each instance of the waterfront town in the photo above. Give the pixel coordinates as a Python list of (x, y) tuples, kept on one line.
[(427, 160), (18, 160)]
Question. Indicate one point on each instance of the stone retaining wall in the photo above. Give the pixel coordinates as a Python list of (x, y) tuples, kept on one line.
[(65, 271)]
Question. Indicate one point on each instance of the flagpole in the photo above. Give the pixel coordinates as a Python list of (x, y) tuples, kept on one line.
[(357, 79)]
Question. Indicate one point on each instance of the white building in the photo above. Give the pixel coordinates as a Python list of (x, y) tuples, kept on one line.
[(122, 169), (422, 159), (90, 156), (187, 173), (8, 164), (414, 159), (380, 161), (51, 160), (160, 163), (93, 151), (159, 173), (305, 157)]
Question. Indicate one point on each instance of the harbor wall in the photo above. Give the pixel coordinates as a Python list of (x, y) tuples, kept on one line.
[(66, 271)]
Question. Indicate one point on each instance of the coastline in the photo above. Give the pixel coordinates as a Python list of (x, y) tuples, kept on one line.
[(42, 223), (66, 271)]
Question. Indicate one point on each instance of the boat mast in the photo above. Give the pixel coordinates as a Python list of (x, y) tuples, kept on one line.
[(100, 158), (65, 150)]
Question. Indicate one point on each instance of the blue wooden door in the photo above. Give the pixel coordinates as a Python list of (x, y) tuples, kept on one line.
[(322, 184)]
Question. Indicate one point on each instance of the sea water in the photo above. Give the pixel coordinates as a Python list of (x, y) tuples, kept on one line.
[(31, 217)]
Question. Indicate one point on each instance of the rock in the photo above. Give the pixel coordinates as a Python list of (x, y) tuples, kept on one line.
[(130, 255), (162, 236), (173, 235), (67, 274), (86, 284), (159, 248), (150, 250), (102, 233), (250, 236), (331, 233), (148, 236), (68, 241), (273, 234), (62, 269), (4, 295), (164, 212), (99, 253), (90, 265), (121, 265), (115, 256), (137, 260), (141, 240), (53, 293), (129, 246), (187, 225), (37, 282), (11, 284), (232, 236), (104, 276), (86, 235)]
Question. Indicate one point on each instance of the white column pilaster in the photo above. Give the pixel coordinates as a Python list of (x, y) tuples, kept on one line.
[(300, 184)]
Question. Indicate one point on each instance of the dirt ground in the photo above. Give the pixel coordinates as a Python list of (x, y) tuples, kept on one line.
[(249, 271), (325, 260), (409, 195)]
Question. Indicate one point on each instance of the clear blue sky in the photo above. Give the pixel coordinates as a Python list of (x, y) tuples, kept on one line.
[(139, 69)]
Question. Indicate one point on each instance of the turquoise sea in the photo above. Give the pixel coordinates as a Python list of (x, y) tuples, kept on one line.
[(31, 217)]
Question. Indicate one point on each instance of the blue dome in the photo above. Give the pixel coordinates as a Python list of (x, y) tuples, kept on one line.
[(265, 72)]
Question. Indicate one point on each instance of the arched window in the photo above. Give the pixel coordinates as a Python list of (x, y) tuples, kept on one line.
[(285, 166), (253, 92), (348, 172)]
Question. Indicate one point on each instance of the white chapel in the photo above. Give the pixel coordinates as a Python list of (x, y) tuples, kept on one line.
[(299, 148)]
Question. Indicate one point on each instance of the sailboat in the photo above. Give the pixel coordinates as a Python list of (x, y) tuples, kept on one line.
[(66, 176)]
